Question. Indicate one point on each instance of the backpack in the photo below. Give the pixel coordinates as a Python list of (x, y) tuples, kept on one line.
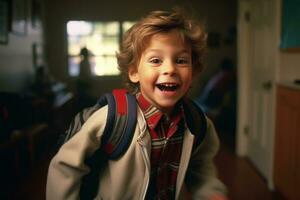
[(119, 130)]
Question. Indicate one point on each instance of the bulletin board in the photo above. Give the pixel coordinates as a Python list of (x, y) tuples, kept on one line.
[(290, 33)]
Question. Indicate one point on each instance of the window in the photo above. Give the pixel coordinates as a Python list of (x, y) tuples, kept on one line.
[(102, 41)]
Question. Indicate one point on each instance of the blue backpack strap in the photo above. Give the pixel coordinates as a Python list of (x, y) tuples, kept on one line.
[(117, 136), (120, 124), (196, 120)]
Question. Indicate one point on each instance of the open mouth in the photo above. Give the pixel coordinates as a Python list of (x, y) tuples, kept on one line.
[(167, 86)]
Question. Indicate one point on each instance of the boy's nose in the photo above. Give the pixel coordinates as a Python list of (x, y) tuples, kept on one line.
[(169, 68)]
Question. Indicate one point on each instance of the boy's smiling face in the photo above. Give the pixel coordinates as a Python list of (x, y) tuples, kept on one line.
[(164, 71)]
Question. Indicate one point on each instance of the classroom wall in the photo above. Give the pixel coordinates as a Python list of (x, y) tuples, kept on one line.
[(289, 68), (16, 59)]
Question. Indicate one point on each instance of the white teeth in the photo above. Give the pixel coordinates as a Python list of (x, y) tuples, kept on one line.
[(168, 84)]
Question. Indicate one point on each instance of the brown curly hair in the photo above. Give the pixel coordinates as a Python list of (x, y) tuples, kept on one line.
[(135, 40)]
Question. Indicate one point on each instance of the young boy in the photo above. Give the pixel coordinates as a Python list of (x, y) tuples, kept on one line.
[(159, 57)]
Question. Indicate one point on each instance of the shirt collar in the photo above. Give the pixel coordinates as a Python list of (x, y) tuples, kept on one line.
[(153, 115)]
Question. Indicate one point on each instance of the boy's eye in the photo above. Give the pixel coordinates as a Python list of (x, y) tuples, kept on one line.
[(182, 61), (155, 60)]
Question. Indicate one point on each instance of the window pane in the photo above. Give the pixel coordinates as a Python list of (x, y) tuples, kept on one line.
[(74, 65), (76, 28), (126, 25), (101, 39), (107, 28), (106, 65), (104, 46), (75, 43)]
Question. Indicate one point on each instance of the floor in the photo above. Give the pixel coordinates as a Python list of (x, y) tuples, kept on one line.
[(238, 174), (241, 178)]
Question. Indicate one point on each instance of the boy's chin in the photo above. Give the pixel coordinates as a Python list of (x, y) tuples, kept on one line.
[(166, 107)]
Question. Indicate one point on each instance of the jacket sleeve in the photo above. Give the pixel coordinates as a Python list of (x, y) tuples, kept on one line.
[(201, 178), (68, 166)]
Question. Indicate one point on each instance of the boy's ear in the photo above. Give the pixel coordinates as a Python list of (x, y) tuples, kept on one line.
[(133, 75)]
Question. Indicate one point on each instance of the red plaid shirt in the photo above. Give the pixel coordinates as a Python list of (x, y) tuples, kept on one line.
[(166, 144)]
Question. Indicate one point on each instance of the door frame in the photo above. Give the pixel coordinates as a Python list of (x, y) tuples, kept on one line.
[(244, 81)]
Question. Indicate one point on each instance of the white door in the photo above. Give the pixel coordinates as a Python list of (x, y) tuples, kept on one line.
[(262, 63)]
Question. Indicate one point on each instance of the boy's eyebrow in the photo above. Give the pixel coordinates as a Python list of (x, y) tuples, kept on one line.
[(184, 50)]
